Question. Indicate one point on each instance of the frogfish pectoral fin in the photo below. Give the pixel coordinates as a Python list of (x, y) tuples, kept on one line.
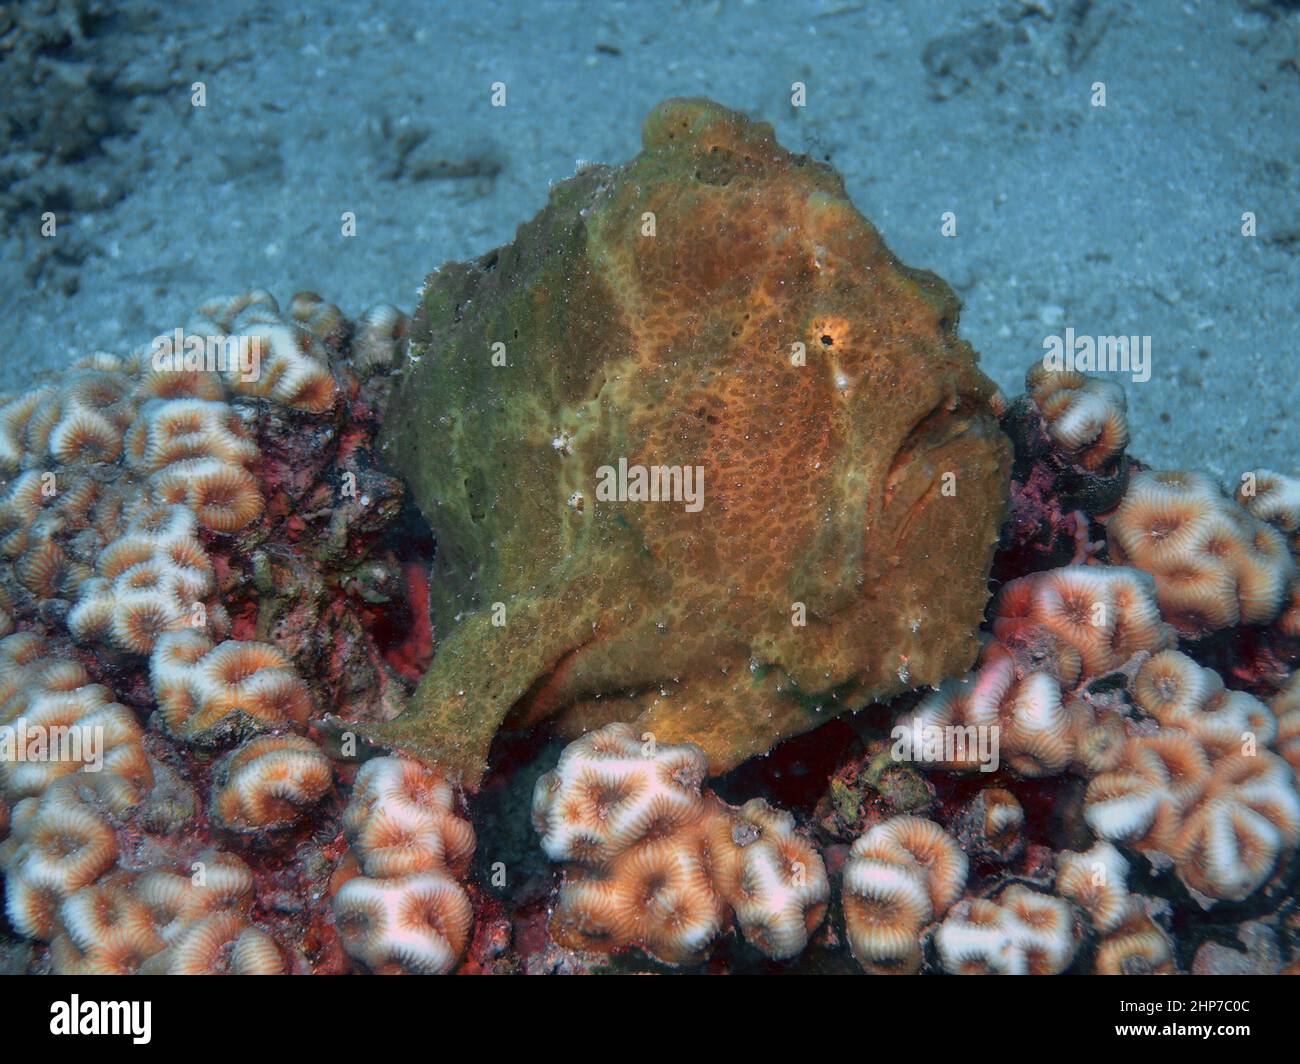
[(479, 672)]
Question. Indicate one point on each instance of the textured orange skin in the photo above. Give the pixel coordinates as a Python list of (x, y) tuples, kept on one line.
[(823, 482)]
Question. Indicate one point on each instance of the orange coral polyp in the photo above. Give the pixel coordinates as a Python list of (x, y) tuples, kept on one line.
[(653, 863), (269, 783), (1105, 615), (1136, 947), (1216, 565), (418, 924), (223, 497), (206, 692), (84, 436), (223, 944), (1022, 932), (1086, 416), (178, 430), (407, 911), (402, 820), (1225, 821), (901, 875)]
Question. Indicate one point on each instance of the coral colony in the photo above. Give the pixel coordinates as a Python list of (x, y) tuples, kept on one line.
[(860, 665)]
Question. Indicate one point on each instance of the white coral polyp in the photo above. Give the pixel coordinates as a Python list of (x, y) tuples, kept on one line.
[(409, 910), (653, 862), (1022, 933), (607, 793)]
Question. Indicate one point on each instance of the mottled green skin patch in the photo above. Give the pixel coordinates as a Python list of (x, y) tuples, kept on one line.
[(823, 481)]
